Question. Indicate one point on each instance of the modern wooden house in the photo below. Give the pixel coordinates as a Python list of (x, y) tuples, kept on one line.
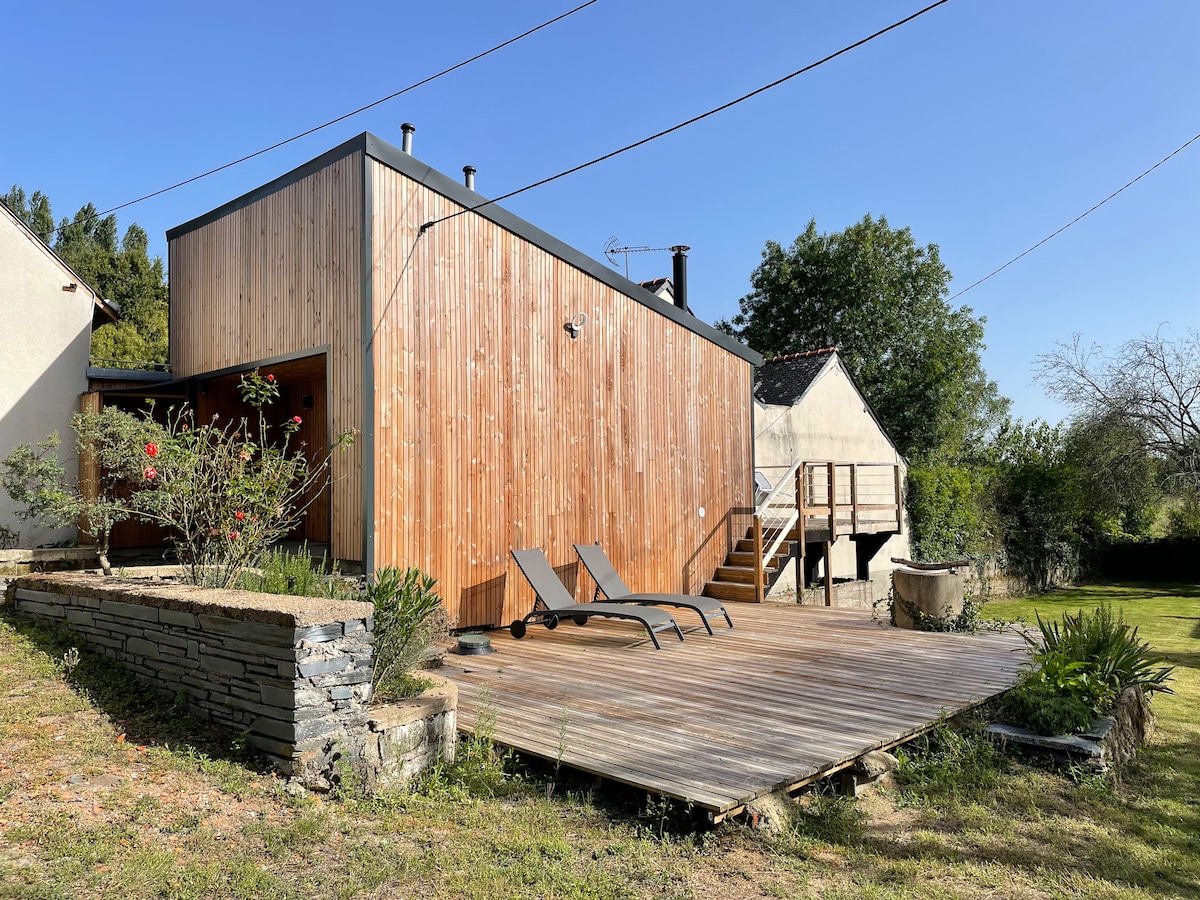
[(507, 391)]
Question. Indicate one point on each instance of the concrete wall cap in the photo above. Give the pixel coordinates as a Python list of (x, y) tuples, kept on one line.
[(246, 606)]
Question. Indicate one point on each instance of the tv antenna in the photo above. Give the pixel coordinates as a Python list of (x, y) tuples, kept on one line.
[(611, 250)]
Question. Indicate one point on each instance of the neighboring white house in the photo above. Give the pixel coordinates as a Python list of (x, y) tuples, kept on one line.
[(807, 407), (47, 313)]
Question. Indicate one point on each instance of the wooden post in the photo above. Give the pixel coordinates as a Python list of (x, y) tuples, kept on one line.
[(801, 501), (829, 573), (758, 560), (899, 515), (854, 498), (831, 468)]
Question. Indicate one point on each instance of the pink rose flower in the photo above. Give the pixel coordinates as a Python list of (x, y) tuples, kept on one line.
[(150, 473), (296, 419), (234, 535), (152, 449), (239, 515)]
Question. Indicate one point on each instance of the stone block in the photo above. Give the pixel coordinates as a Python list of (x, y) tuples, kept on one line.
[(129, 629), (291, 732), (350, 677), (224, 666), (253, 649), (322, 666), (44, 597), (167, 639), (79, 616), (34, 608), (142, 647), (175, 617), (248, 631), (129, 610), (319, 634)]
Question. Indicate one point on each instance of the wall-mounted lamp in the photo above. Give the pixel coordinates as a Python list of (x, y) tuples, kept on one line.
[(70, 287), (575, 325)]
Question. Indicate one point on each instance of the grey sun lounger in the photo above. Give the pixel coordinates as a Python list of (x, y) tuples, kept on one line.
[(554, 602), (616, 590)]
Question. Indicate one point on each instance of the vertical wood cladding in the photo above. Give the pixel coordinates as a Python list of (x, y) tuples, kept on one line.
[(495, 430), (282, 275)]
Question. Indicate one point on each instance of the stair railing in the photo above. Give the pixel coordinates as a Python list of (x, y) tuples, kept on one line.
[(779, 512)]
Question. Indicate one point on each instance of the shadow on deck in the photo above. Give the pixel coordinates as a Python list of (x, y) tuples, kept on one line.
[(789, 695)]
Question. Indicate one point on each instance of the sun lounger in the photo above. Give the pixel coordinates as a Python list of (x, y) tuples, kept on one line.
[(616, 590), (554, 602)]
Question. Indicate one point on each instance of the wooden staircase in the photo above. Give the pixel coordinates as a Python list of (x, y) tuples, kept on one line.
[(735, 579)]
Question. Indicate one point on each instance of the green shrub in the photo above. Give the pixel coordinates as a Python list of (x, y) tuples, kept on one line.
[(410, 621), (280, 572), (1079, 668), (1041, 706)]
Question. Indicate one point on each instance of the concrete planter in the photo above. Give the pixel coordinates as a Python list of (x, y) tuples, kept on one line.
[(915, 594), (47, 559)]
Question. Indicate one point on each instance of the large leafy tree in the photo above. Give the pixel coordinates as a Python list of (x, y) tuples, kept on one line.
[(880, 298), (120, 270)]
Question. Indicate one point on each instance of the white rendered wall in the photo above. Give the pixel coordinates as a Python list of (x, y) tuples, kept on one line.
[(831, 422), (45, 338)]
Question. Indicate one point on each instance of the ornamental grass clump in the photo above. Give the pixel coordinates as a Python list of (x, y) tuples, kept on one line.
[(410, 624), (1079, 669)]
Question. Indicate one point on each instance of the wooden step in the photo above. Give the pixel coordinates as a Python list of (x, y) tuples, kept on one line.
[(746, 545), (740, 558), (739, 574), (728, 590), (769, 534)]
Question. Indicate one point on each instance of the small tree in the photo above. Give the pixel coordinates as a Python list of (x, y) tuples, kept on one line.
[(36, 479), (1150, 383)]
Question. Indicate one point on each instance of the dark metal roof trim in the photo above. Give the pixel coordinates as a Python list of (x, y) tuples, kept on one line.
[(143, 375), (392, 156)]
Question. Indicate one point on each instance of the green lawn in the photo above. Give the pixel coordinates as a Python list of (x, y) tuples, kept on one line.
[(103, 794)]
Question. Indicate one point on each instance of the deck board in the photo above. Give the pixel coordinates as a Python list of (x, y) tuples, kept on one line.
[(789, 693)]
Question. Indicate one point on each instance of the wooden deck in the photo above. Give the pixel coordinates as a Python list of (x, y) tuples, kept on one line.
[(789, 695)]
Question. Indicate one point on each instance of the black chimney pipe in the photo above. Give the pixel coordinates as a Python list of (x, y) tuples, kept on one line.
[(406, 143), (679, 275)]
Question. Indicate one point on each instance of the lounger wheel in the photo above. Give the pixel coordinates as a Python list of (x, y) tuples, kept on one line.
[(517, 629), (579, 619), (551, 622)]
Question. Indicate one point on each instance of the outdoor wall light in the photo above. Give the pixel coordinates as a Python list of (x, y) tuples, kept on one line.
[(575, 325)]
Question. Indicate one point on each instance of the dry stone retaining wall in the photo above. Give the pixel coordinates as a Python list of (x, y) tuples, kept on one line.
[(292, 674)]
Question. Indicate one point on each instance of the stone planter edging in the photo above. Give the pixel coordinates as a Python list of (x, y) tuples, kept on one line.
[(292, 674)]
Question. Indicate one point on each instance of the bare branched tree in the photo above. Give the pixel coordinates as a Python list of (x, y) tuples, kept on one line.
[(1151, 383)]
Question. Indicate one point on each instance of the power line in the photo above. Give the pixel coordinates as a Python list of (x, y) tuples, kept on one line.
[(1076, 219), (694, 119), (348, 115)]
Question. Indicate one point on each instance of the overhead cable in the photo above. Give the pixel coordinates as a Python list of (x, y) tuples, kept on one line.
[(693, 119), (342, 118), (1076, 219)]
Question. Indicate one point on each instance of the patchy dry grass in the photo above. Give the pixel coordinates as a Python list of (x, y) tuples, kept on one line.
[(104, 793)]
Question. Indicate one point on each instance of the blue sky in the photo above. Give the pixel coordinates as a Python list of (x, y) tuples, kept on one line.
[(983, 126)]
